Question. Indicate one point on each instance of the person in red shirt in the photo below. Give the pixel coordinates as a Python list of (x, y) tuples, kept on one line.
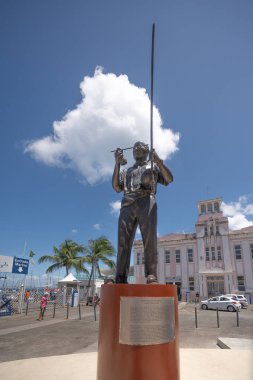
[(27, 295), (43, 305)]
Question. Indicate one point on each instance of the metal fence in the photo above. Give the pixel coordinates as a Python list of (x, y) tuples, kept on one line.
[(21, 301)]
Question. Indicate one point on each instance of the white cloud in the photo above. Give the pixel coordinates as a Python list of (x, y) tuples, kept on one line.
[(74, 231), (115, 207), (239, 213), (249, 209), (113, 113), (97, 227)]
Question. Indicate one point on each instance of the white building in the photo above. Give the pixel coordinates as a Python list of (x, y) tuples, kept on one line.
[(211, 261)]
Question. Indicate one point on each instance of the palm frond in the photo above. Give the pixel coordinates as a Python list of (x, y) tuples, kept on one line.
[(111, 264), (66, 256), (44, 258), (54, 267)]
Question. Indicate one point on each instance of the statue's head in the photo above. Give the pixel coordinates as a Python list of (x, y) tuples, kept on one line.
[(140, 150)]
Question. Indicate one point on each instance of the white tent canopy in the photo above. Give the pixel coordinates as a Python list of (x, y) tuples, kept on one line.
[(69, 279)]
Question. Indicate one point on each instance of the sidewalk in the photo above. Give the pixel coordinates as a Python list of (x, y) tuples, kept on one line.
[(195, 364), (79, 360)]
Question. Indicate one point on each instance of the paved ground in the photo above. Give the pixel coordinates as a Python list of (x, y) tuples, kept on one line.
[(63, 349), (197, 364), (207, 332), (23, 337)]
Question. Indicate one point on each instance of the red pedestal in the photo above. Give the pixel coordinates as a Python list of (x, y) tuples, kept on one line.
[(134, 362)]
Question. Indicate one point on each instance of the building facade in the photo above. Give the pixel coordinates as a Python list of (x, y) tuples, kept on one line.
[(210, 261)]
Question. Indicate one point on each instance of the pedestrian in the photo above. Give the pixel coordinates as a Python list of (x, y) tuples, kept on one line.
[(96, 300), (27, 295), (43, 305)]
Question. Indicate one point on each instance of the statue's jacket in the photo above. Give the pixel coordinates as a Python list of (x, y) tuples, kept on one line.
[(136, 182)]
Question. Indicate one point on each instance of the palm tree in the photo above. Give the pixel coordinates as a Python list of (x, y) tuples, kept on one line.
[(66, 256), (99, 250)]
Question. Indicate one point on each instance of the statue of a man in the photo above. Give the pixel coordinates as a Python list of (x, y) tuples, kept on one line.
[(138, 207)]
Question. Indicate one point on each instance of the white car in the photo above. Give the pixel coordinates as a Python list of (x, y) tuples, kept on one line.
[(221, 303), (240, 298)]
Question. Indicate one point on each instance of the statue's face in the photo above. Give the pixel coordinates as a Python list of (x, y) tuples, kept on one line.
[(140, 151)]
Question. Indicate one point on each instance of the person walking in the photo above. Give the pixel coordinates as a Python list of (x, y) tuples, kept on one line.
[(27, 295), (43, 305)]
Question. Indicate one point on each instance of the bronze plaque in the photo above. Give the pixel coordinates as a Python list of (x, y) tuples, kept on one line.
[(146, 320)]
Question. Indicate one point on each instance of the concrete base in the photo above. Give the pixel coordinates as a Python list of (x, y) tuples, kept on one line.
[(236, 343), (195, 364)]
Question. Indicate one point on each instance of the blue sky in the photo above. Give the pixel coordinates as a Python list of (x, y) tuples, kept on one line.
[(75, 81)]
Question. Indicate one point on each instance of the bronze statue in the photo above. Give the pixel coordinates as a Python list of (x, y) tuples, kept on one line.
[(138, 207)]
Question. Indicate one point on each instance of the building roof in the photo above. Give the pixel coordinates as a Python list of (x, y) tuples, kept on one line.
[(177, 236), (219, 199), (171, 237), (245, 230)]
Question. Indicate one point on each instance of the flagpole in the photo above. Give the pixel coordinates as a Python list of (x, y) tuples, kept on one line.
[(24, 250)]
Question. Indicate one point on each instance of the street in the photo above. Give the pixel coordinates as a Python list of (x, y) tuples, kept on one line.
[(23, 337), (207, 332)]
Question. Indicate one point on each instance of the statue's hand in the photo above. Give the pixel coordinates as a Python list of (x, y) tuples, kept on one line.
[(119, 158), (156, 159)]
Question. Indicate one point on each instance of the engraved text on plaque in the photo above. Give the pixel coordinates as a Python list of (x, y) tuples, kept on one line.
[(146, 320)]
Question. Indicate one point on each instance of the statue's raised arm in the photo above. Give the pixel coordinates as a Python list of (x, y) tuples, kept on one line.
[(119, 160), (164, 170)]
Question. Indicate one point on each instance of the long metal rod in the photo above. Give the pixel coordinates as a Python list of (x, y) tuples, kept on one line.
[(151, 102), (112, 151), (151, 99), (152, 88)]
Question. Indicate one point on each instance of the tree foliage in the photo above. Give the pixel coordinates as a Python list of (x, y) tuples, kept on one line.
[(72, 255), (66, 256), (99, 251)]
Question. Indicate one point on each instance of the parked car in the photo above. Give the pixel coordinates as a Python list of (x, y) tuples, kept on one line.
[(221, 303), (240, 298)]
